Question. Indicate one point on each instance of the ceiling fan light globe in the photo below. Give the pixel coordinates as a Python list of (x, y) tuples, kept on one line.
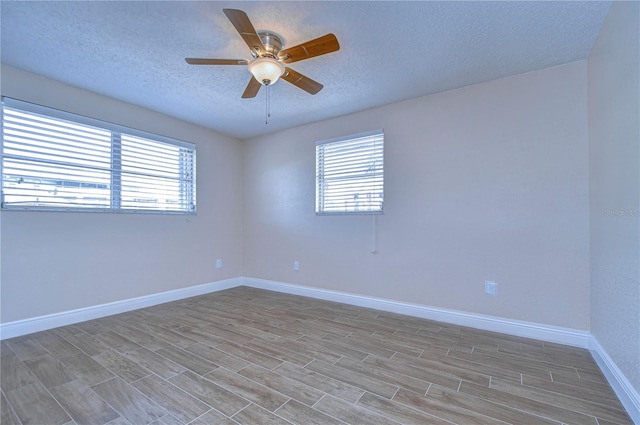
[(266, 70)]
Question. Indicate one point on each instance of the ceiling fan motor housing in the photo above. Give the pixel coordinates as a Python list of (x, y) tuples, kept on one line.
[(272, 43)]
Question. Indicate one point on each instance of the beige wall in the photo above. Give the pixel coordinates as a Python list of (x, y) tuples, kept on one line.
[(614, 145), (55, 262), (485, 182)]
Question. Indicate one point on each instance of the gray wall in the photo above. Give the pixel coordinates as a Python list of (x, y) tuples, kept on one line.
[(614, 152)]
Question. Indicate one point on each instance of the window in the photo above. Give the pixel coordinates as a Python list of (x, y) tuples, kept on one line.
[(350, 174), (53, 160)]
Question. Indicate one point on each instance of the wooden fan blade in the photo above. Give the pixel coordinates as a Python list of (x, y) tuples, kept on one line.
[(252, 89), (299, 80), (200, 61), (319, 46), (243, 25)]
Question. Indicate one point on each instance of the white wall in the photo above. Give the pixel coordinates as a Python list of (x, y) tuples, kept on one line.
[(614, 144), (485, 182), (54, 262)]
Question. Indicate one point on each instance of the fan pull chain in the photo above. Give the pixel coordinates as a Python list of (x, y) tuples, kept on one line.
[(268, 106)]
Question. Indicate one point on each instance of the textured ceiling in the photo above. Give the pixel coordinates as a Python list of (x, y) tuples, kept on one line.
[(390, 51)]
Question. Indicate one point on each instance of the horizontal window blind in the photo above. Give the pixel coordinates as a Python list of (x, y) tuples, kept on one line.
[(53, 160), (350, 174)]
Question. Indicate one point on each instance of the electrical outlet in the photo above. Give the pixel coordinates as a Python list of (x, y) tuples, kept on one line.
[(296, 265), (490, 287), (219, 263)]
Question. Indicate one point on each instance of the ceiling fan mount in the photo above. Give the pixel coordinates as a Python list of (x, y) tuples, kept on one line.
[(269, 57)]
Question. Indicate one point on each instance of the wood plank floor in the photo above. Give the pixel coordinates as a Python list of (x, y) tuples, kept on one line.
[(248, 356)]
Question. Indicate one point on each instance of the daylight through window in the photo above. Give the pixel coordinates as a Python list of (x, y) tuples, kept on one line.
[(350, 174), (53, 160)]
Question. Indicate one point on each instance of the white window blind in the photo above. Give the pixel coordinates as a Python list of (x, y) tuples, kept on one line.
[(350, 174), (53, 160)]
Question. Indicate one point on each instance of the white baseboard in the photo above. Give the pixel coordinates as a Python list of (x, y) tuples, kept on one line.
[(50, 321), (573, 337), (628, 395)]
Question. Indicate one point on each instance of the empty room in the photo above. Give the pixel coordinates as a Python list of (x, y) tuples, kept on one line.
[(320, 212)]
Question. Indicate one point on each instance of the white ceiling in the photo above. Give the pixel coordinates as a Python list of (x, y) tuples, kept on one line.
[(390, 51)]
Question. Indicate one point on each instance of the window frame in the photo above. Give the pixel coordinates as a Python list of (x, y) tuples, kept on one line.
[(115, 169), (320, 197)]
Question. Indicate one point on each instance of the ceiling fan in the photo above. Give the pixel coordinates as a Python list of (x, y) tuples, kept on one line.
[(268, 61)]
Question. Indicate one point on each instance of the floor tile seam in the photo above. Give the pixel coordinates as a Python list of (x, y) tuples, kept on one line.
[(362, 375), (350, 384), (428, 388), (319, 346), (577, 370), (109, 404), (414, 409), (58, 363), (255, 382), (317, 373), (411, 345), (328, 414), (210, 344), (285, 377), (394, 394), (169, 360), (173, 385), (207, 412), (116, 373), (528, 412), (360, 346), (391, 374), (319, 411), (20, 358), (548, 365), (479, 362), (55, 400), (245, 407), (595, 373), (11, 405), (509, 407), (249, 361), (249, 402), (155, 337), (440, 373), (106, 401), (254, 337), (126, 326), (581, 400), (454, 407), (144, 377), (65, 340), (549, 356), (275, 358), (186, 367), (275, 335), (608, 397), (518, 359)]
